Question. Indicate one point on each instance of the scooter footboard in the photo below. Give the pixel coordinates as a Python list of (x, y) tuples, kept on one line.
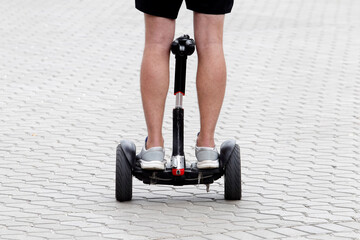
[(192, 176)]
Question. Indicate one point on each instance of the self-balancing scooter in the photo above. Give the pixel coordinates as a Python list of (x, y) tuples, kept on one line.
[(177, 172)]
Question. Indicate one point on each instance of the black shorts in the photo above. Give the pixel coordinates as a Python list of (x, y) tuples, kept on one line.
[(170, 8)]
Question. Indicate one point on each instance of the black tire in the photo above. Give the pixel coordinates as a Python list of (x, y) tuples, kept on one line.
[(123, 187), (232, 177)]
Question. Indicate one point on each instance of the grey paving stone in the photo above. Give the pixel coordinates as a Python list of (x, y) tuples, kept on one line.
[(350, 235), (219, 236), (121, 236), (289, 232), (312, 229), (334, 227), (22, 237), (266, 233), (324, 236), (242, 235), (193, 238)]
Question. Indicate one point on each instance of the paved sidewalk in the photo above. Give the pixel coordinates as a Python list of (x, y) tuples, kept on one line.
[(69, 92)]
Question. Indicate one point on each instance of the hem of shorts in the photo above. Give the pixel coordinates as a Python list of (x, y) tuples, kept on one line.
[(210, 12), (154, 13)]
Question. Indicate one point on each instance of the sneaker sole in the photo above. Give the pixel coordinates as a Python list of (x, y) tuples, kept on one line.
[(152, 165), (208, 164)]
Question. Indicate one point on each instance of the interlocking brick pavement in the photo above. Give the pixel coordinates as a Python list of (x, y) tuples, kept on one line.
[(69, 74)]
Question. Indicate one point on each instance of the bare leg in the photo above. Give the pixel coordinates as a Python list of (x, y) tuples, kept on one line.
[(154, 76), (211, 73)]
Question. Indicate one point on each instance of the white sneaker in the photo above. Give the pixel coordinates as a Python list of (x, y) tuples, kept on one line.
[(153, 158), (207, 157)]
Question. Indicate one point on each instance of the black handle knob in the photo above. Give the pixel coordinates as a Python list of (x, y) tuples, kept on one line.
[(183, 46)]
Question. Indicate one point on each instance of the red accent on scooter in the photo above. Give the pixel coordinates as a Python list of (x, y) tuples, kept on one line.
[(178, 172), (180, 92)]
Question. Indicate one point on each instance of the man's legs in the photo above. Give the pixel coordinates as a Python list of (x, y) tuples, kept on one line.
[(211, 73), (154, 77)]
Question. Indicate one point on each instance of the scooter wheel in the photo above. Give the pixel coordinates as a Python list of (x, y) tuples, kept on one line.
[(233, 176), (123, 187)]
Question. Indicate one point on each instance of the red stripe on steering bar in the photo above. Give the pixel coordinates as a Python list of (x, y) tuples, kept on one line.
[(180, 92)]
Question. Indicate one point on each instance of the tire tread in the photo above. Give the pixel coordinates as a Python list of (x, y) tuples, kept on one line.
[(233, 176), (123, 185)]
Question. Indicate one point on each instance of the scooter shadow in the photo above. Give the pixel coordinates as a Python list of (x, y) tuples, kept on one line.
[(180, 194)]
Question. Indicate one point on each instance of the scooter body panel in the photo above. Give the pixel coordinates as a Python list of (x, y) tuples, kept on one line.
[(129, 150), (226, 150)]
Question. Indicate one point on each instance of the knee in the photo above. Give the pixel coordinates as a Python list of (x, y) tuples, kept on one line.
[(209, 48), (159, 47), (208, 33), (159, 42), (207, 43)]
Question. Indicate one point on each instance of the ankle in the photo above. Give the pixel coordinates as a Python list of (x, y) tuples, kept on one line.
[(154, 142), (205, 141)]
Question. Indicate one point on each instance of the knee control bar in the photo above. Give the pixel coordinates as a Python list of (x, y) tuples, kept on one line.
[(182, 47)]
